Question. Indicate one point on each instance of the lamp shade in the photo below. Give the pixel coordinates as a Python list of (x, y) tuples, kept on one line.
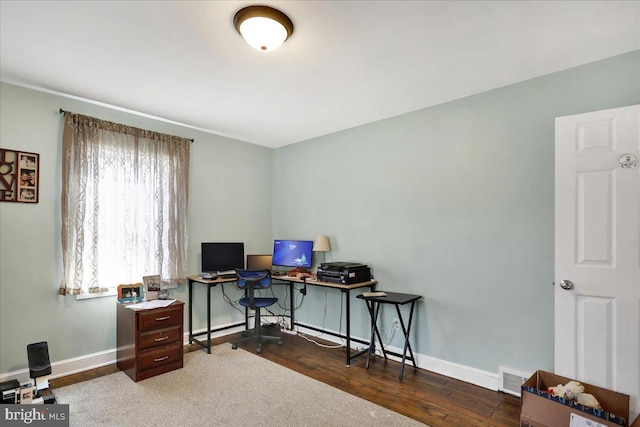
[(262, 27), (322, 244)]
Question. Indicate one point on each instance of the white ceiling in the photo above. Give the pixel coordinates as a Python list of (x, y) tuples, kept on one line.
[(347, 63)]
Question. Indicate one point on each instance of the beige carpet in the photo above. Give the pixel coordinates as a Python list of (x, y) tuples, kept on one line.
[(227, 388)]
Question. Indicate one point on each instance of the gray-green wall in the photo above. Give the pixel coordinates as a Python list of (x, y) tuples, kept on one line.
[(453, 202), (229, 200)]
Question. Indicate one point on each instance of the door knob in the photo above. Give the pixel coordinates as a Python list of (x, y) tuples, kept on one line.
[(627, 161), (566, 285)]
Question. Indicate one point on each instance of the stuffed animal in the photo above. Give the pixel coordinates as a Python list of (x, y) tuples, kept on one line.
[(568, 391), (573, 389), (558, 391), (589, 400)]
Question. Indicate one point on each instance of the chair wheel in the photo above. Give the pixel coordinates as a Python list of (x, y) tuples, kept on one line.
[(280, 342), (234, 346), (259, 350)]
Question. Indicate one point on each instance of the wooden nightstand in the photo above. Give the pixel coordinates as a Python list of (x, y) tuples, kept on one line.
[(150, 341)]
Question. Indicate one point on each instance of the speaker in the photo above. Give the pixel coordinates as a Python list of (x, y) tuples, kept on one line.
[(38, 355)]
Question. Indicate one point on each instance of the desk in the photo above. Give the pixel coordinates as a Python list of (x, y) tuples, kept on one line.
[(397, 299), (345, 289), (209, 283)]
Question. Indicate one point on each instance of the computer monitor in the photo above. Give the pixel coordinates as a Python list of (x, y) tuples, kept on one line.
[(259, 262), (292, 253), (222, 256)]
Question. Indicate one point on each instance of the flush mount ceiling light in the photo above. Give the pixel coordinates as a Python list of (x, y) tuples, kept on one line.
[(262, 27)]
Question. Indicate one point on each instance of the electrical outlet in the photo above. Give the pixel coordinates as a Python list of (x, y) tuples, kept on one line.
[(396, 324)]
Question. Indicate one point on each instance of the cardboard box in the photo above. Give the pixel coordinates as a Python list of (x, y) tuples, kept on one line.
[(541, 409)]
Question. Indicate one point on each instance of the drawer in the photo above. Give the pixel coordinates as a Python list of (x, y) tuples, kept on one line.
[(150, 359), (159, 319), (159, 337)]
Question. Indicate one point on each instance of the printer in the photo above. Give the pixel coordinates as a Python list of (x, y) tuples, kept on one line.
[(345, 273)]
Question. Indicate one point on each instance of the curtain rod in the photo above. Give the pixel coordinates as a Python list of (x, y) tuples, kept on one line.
[(61, 111)]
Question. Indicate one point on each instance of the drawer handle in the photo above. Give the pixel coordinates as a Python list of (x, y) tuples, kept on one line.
[(163, 318), (160, 359), (162, 338)]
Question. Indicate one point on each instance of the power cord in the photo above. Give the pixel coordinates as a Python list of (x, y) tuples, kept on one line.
[(389, 335), (285, 308), (233, 304), (301, 335)]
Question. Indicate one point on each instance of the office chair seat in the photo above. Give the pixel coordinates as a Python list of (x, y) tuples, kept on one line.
[(258, 302), (251, 281)]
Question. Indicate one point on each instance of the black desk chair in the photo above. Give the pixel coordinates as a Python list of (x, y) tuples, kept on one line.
[(250, 281)]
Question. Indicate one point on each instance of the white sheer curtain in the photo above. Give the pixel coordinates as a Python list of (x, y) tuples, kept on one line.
[(124, 205)]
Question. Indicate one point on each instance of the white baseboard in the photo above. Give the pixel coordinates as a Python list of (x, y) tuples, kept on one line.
[(68, 366), (485, 379), (489, 380), (95, 360)]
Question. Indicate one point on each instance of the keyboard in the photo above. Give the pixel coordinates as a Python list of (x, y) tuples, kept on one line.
[(227, 273)]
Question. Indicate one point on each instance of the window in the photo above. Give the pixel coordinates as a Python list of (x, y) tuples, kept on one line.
[(124, 205)]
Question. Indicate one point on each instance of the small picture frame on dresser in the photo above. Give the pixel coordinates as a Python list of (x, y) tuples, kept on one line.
[(133, 292), (152, 285)]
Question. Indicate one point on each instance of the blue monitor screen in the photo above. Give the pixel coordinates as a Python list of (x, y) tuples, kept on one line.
[(292, 253)]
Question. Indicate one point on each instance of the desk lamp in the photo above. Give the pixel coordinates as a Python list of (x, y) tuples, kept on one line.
[(321, 244)]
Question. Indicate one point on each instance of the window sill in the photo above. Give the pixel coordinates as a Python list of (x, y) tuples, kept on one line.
[(108, 293)]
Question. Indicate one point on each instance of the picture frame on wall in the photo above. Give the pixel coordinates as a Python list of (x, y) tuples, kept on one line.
[(19, 176)]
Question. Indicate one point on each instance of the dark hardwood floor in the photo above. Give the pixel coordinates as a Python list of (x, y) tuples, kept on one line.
[(430, 398)]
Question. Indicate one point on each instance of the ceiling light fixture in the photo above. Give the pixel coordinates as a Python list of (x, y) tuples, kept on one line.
[(262, 27)]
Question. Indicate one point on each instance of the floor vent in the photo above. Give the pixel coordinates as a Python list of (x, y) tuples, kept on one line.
[(510, 381)]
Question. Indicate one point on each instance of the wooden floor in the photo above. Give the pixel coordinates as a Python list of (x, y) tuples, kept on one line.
[(433, 399)]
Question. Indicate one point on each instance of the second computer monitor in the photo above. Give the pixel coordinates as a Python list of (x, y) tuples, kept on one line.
[(259, 262), (292, 253), (221, 256)]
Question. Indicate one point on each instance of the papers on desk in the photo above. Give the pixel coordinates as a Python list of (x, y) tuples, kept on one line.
[(155, 303), (374, 294)]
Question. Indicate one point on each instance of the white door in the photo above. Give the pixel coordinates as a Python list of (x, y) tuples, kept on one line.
[(597, 249)]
